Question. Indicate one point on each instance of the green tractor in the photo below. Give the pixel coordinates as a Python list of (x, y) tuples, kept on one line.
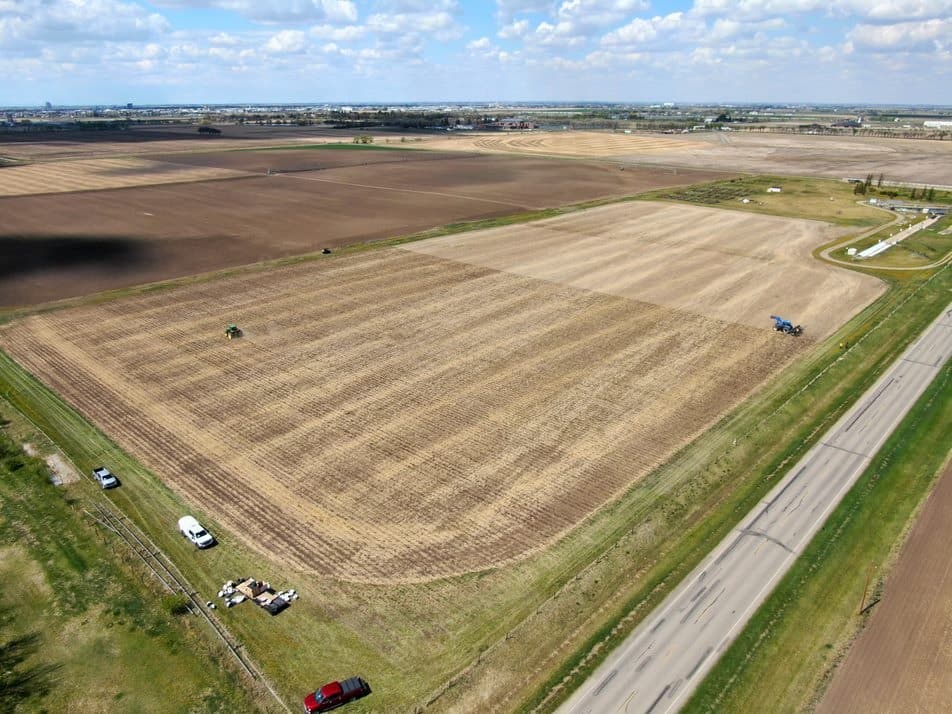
[(233, 331)]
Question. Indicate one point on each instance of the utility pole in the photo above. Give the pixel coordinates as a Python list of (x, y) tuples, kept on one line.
[(862, 604)]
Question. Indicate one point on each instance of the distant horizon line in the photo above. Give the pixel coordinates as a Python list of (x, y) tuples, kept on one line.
[(487, 103)]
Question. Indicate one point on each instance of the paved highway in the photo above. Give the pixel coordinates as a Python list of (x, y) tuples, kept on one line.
[(658, 667)]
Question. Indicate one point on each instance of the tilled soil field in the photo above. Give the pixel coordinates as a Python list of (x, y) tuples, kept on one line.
[(724, 265), (917, 161), (65, 245), (901, 661), (404, 416), (312, 159), (57, 145)]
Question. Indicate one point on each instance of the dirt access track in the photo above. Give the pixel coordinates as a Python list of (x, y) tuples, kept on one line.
[(70, 244), (410, 414), (901, 661), (902, 160)]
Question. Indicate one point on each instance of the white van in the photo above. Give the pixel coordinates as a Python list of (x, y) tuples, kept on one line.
[(195, 532)]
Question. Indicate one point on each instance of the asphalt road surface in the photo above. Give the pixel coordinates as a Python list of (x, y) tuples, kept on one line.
[(662, 662)]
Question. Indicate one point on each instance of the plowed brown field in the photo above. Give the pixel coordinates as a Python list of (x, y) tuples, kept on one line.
[(286, 159), (68, 244), (399, 416), (901, 661), (52, 146)]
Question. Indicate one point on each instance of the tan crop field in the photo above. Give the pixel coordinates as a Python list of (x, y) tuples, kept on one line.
[(723, 265), (567, 143), (404, 415), (94, 174), (918, 161)]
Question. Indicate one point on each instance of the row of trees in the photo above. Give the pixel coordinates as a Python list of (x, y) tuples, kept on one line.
[(862, 187)]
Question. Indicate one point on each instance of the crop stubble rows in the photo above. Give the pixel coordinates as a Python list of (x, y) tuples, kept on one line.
[(394, 416), (566, 143), (97, 174), (724, 265)]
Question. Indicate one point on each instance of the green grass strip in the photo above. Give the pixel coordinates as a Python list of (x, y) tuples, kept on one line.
[(63, 574), (810, 198), (788, 649), (773, 430)]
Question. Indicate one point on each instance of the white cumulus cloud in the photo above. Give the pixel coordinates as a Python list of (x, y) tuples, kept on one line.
[(66, 21), (517, 28), (910, 36), (286, 42), (641, 31), (277, 11)]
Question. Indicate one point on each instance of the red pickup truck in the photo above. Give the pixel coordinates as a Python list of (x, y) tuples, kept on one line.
[(336, 694)]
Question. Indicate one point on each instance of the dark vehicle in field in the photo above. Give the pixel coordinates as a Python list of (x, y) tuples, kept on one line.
[(336, 694)]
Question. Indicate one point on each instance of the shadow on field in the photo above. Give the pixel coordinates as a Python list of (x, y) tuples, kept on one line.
[(27, 254), (20, 680)]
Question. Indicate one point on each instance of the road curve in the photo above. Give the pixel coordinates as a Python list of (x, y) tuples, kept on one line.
[(826, 253), (660, 664)]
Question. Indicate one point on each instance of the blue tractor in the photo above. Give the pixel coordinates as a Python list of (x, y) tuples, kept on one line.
[(785, 326)]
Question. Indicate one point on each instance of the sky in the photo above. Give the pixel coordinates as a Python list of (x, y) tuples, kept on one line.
[(71, 52)]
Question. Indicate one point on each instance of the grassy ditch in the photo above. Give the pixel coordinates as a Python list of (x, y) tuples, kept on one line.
[(924, 247), (734, 465), (817, 199), (79, 622), (778, 657)]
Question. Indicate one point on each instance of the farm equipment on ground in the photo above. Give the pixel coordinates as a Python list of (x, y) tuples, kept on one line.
[(233, 331), (785, 326)]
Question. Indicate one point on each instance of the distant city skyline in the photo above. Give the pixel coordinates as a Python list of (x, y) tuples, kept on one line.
[(110, 52)]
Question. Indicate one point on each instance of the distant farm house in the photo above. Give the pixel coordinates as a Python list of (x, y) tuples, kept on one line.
[(514, 124)]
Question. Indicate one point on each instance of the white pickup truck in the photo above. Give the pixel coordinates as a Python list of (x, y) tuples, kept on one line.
[(104, 477), (195, 532)]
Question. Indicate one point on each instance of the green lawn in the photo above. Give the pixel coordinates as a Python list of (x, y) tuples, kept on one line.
[(81, 625), (818, 199), (924, 247), (787, 652)]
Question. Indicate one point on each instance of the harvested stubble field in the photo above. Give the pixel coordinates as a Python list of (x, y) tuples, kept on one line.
[(724, 265), (566, 143), (64, 245), (902, 160), (96, 174), (398, 416)]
